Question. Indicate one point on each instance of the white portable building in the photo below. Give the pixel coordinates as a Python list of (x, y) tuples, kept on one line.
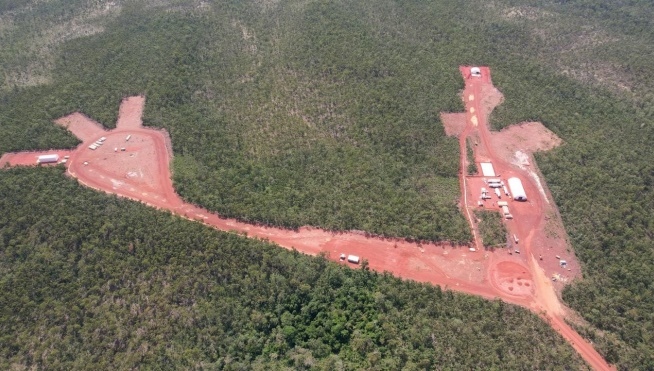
[(353, 259), (517, 190), (487, 169), (47, 159)]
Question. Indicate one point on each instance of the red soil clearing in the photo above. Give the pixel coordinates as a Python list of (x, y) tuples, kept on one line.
[(141, 172), (82, 127), (454, 123)]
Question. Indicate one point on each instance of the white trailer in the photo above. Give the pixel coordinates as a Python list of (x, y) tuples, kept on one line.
[(505, 210), (127, 138), (517, 190), (353, 259), (497, 192), (502, 203), (494, 180), (47, 159), (506, 191)]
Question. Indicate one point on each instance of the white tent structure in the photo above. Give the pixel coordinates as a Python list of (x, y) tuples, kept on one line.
[(47, 159), (517, 190), (475, 71)]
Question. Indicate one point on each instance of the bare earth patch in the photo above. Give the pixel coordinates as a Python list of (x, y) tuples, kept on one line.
[(454, 123), (81, 126), (131, 111), (526, 137), (490, 98)]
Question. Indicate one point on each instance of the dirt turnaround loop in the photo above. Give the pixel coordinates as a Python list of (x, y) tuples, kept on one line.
[(134, 162)]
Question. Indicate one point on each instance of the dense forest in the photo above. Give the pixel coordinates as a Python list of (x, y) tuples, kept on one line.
[(93, 281), (326, 113)]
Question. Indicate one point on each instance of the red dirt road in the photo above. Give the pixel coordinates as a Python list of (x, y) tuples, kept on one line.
[(142, 172), (29, 158)]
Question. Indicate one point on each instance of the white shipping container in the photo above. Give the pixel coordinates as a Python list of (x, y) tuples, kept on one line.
[(502, 203), (353, 259)]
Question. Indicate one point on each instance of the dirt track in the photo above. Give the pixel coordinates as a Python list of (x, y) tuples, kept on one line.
[(142, 172)]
